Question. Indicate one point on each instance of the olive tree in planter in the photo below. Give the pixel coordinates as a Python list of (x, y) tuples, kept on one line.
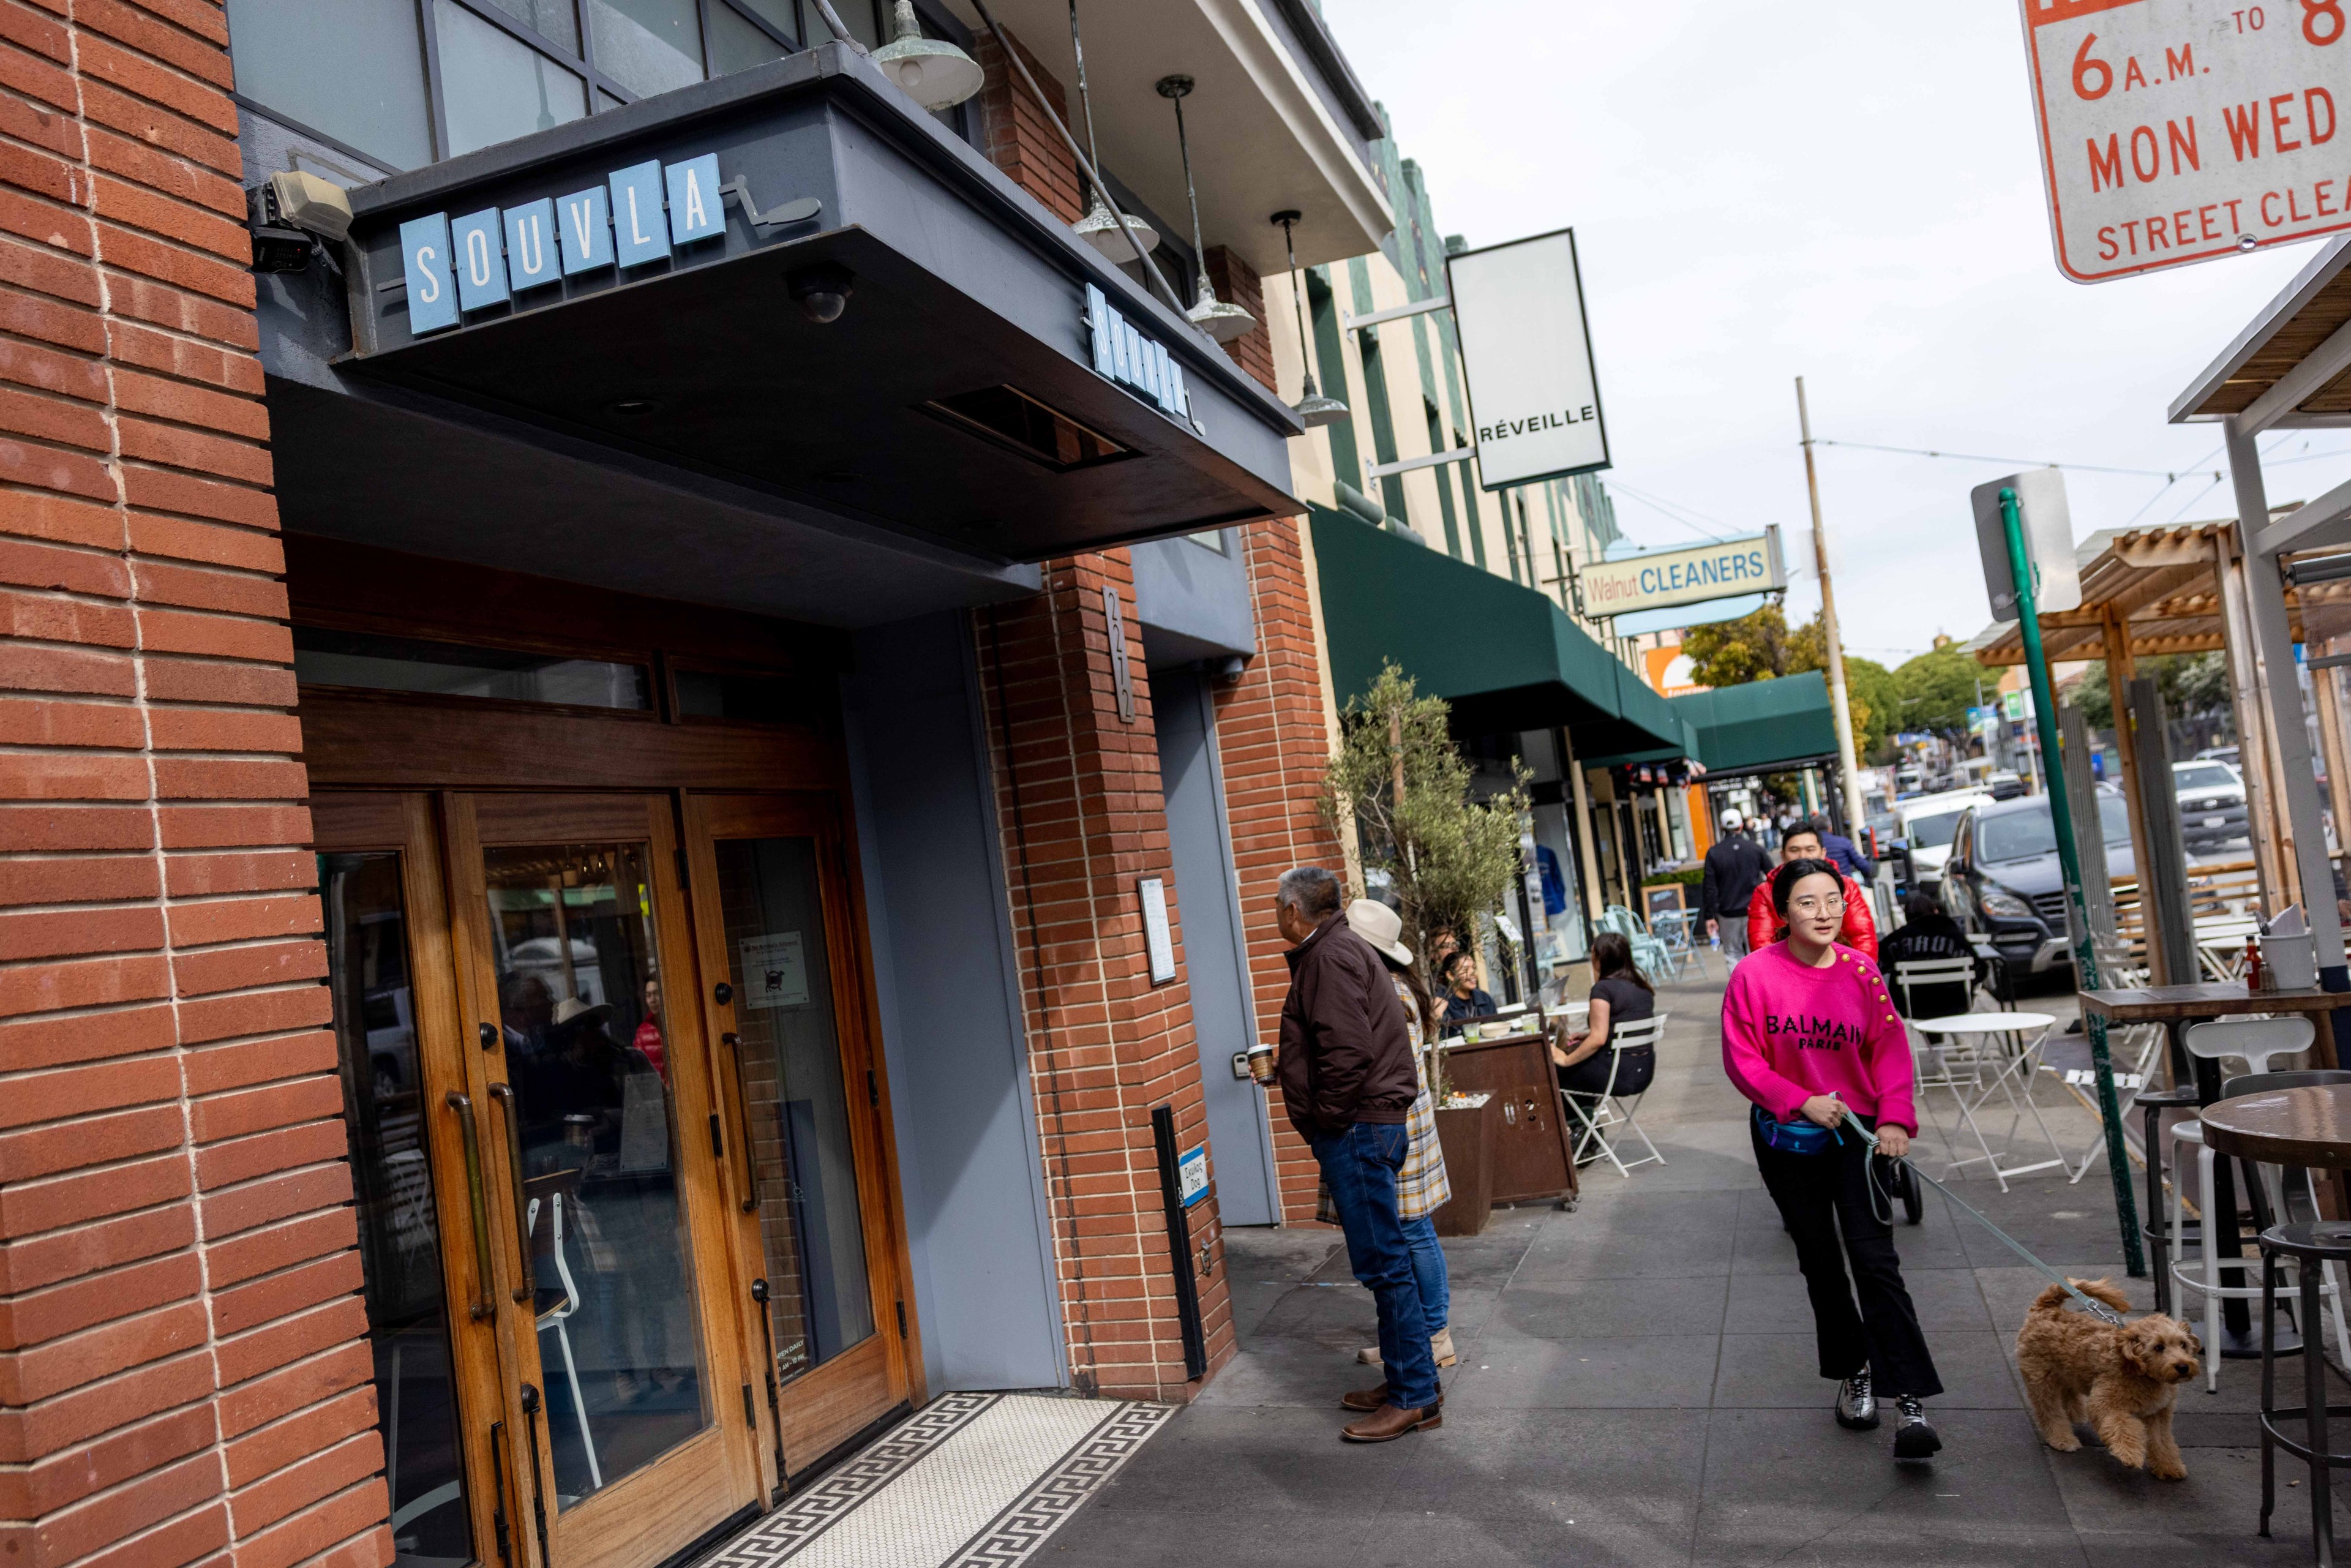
[(1450, 860)]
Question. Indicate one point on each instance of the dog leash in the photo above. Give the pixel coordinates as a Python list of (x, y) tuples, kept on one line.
[(2091, 1304)]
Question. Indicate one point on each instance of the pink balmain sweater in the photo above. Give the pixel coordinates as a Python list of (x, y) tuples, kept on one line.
[(1791, 1032)]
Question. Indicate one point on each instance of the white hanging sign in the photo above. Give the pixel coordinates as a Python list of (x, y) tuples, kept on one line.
[(1534, 395)]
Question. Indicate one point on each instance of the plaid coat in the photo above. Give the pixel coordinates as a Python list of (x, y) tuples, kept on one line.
[(1421, 1186)]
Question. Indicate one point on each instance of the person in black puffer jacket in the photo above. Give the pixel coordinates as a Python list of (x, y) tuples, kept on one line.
[(1931, 935)]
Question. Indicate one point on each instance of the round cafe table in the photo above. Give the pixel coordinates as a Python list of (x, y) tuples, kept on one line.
[(2306, 1127)]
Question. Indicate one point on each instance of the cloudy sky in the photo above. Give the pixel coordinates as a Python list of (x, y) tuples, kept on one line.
[(1844, 191)]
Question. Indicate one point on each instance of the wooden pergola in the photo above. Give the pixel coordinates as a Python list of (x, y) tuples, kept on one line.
[(2183, 589)]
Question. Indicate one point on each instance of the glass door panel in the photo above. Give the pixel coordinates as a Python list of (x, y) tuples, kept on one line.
[(613, 1293), (404, 1286), (803, 1161)]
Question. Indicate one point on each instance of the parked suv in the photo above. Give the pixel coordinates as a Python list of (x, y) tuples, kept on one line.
[(1927, 824), (2212, 802), (2004, 877)]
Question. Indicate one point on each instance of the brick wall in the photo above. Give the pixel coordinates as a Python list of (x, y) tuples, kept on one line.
[(1273, 739), (1022, 140), (1235, 281), (1082, 820), (181, 1374)]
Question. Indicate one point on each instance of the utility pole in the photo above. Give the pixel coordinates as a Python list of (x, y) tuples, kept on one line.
[(1848, 762)]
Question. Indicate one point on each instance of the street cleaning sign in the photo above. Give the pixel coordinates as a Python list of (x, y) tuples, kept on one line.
[(2177, 131), (1655, 580), (1534, 395)]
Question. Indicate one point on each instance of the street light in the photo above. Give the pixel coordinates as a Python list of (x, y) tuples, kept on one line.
[(1101, 227), (1315, 408), (1213, 316), (932, 71)]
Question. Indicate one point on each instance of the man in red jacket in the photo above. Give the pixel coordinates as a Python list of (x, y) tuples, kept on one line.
[(1801, 842)]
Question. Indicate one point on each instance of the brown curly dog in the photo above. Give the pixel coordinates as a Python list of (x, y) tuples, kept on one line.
[(2122, 1381)]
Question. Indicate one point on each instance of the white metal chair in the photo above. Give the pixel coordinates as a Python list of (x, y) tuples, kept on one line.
[(1611, 1109), (1652, 955), (558, 1317), (2258, 1043), (1915, 974)]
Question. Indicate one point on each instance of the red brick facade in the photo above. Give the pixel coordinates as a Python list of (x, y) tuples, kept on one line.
[(1235, 282), (181, 1376), (1022, 140), (1273, 742), (1078, 805)]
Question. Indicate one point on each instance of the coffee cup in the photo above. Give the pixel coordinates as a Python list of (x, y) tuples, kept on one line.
[(1261, 1064)]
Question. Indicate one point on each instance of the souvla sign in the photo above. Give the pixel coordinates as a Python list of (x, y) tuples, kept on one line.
[(639, 215), (2179, 131), (1534, 396), (1658, 579)]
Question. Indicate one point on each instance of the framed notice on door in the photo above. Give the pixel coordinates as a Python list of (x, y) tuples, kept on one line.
[(775, 971)]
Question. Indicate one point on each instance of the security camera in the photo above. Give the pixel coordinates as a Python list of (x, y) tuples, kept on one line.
[(823, 289), (1229, 670), (291, 213)]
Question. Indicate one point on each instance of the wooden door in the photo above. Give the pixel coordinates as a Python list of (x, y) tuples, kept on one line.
[(619, 1356), (791, 1030)]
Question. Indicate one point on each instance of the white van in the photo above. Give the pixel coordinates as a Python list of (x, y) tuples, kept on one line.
[(1928, 824)]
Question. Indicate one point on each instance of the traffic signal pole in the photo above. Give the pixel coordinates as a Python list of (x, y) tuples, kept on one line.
[(2060, 818)]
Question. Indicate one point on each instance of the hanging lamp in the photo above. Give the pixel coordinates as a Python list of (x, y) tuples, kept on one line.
[(1100, 227), (1315, 408), (931, 71), (1213, 316)]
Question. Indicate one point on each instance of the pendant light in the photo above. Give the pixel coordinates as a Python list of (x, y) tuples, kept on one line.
[(932, 71), (1315, 408), (1100, 227), (1219, 321)]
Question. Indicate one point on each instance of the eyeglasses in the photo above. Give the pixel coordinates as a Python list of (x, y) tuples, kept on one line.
[(1832, 903)]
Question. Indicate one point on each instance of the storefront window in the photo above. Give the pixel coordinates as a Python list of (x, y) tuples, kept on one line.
[(352, 71), (751, 698), (369, 663), (392, 1202)]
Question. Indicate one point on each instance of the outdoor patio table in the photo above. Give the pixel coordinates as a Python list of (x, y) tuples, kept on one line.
[(2176, 1007), (2019, 1068)]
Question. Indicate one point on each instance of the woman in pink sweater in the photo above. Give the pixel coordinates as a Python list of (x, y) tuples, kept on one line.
[(1810, 1035)]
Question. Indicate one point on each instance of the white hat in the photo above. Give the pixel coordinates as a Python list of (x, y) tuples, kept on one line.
[(571, 1009), (1381, 926), (1732, 818)]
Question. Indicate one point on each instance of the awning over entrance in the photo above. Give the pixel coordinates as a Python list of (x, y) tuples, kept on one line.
[(1759, 727), (1504, 656), (793, 281)]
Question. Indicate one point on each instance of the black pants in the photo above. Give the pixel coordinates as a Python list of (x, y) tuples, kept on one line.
[(1819, 1194), (1588, 1079)]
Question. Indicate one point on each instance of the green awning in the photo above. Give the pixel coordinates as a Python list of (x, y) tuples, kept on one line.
[(1760, 727), (1506, 657)]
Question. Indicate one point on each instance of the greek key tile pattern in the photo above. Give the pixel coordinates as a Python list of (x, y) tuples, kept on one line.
[(972, 1481)]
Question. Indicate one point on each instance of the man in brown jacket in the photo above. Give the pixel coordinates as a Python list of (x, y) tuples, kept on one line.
[(1347, 1080)]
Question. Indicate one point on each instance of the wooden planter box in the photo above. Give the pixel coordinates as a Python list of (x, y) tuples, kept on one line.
[(1468, 1136), (1528, 1144)]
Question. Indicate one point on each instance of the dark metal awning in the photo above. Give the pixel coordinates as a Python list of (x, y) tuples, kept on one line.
[(992, 387), (1504, 657)]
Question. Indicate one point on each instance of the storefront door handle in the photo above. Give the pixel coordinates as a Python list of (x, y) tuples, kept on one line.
[(527, 1289), (479, 1204), (734, 1042)]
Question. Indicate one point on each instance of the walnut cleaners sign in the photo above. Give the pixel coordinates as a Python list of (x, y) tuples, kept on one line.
[(2177, 131), (1658, 579), (1534, 397)]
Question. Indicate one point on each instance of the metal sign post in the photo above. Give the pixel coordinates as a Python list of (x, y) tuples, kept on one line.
[(2061, 817)]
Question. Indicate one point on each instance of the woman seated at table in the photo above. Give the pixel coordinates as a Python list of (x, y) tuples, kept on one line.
[(1931, 935), (1463, 999), (1621, 993)]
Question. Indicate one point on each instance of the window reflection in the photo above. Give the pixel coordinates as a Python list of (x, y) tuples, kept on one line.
[(384, 1114), (495, 87), (647, 45)]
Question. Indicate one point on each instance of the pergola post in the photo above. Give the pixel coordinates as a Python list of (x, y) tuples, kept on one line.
[(2266, 821), (2305, 849), (2327, 688), (2121, 668)]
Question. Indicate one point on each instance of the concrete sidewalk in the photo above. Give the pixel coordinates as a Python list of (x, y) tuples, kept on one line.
[(1636, 1385)]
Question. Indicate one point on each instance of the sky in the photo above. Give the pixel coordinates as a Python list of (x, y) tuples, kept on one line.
[(1847, 191)]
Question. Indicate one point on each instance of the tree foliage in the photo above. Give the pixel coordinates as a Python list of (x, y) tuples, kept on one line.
[(1933, 691), (1397, 774), (2190, 684), (1761, 647)]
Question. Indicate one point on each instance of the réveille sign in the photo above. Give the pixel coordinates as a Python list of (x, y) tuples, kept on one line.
[(2179, 131), (1534, 395), (642, 214), (1658, 579)]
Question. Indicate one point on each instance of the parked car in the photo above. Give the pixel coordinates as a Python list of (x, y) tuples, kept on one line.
[(1926, 824), (2227, 753), (2211, 803), (2004, 877), (2003, 785)]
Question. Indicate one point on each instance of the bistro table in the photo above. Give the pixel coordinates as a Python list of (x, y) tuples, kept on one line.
[(2020, 1069), (2176, 1007)]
